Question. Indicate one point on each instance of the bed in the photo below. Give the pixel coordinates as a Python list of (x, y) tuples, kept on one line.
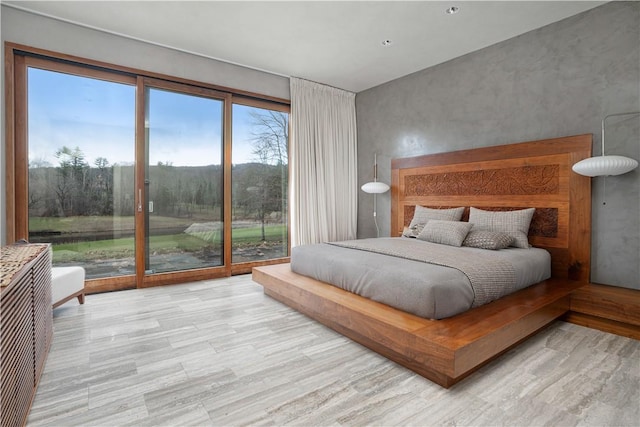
[(427, 279), (501, 178)]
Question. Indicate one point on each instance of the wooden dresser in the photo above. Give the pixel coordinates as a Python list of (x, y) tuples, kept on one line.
[(26, 326)]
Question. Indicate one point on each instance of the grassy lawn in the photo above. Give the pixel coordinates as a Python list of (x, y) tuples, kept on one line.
[(252, 236), (88, 224), (98, 249), (182, 242), (81, 224)]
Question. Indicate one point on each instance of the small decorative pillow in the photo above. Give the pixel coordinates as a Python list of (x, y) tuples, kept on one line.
[(450, 233), (488, 240), (412, 231), (514, 223), (421, 215)]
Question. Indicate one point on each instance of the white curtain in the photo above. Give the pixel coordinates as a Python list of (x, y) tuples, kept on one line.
[(324, 179)]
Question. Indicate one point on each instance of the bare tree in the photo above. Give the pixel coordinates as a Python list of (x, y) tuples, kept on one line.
[(71, 183), (270, 148), (38, 183), (101, 186), (270, 136)]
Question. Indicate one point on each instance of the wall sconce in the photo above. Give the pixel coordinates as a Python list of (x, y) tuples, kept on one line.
[(374, 187), (606, 165)]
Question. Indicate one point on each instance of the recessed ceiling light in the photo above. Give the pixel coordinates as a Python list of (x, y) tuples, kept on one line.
[(387, 42), (452, 10)]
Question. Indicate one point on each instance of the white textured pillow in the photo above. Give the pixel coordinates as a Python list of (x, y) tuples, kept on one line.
[(488, 240), (422, 215), (450, 233), (514, 223)]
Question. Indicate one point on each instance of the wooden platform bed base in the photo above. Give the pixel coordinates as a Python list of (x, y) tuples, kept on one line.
[(444, 351), (507, 177)]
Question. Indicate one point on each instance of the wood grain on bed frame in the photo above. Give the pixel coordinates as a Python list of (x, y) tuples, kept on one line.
[(533, 174), (516, 176)]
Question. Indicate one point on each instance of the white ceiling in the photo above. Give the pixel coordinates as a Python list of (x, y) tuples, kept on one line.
[(335, 43)]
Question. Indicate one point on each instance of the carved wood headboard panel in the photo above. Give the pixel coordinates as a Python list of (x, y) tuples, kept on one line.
[(515, 176)]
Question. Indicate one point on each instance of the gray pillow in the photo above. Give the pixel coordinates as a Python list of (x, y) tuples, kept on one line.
[(450, 233), (421, 215), (488, 240), (514, 223), (412, 231)]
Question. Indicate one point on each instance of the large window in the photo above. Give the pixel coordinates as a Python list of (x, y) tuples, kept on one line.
[(260, 183), (145, 181), (81, 170), (184, 181)]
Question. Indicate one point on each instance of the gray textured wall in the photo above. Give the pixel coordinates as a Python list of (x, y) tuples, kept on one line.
[(559, 80), (45, 33)]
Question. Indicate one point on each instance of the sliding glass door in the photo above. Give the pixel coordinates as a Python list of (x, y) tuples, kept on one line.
[(144, 181), (82, 189), (260, 180), (184, 181), (81, 134)]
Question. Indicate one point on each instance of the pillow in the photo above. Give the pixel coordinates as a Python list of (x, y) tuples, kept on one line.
[(450, 233), (422, 215), (514, 223), (412, 231), (488, 240)]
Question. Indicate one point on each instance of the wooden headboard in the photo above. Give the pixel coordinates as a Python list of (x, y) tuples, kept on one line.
[(515, 176)]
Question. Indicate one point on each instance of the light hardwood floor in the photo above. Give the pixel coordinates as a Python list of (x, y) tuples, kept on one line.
[(220, 352)]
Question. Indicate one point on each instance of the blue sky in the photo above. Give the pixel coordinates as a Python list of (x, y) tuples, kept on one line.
[(98, 117)]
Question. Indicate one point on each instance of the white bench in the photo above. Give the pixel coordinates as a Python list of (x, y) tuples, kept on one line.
[(67, 283)]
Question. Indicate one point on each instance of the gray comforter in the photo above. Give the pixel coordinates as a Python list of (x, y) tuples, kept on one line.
[(392, 271)]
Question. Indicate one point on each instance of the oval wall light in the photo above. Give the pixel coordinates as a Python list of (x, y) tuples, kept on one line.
[(374, 187), (606, 165)]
